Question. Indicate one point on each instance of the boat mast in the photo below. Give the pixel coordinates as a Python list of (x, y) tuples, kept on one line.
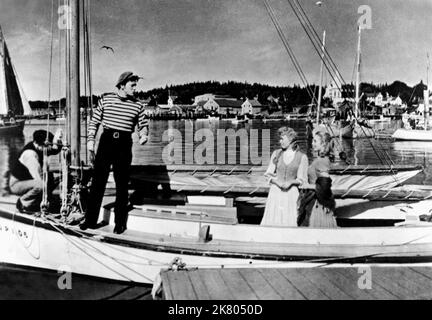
[(321, 78), (426, 98), (357, 91), (74, 83)]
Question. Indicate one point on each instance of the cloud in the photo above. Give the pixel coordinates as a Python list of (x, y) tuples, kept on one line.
[(192, 40)]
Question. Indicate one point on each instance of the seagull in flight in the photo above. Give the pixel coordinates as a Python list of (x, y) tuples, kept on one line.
[(108, 48)]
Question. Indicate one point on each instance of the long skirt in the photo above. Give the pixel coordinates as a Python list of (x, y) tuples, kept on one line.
[(281, 207), (322, 217)]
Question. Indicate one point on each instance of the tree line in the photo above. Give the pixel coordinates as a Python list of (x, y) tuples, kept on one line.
[(282, 96)]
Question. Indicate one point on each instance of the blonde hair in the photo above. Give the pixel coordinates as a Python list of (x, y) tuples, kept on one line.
[(290, 134)]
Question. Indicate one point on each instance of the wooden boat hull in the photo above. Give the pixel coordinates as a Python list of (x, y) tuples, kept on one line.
[(12, 128), (153, 242), (412, 135)]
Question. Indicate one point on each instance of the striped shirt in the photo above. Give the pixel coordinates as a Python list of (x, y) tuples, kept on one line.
[(117, 113)]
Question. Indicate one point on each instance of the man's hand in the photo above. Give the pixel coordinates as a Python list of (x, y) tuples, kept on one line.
[(143, 140), (91, 150)]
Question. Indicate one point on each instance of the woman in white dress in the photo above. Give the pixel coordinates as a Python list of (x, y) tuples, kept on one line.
[(287, 170)]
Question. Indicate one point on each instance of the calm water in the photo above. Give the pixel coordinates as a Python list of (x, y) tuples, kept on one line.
[(187, 149), (359, 151)]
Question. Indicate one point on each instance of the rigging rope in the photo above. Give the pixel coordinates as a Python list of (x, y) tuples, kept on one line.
[(50, 68), (329, 63), (316, 42), (288, 49), (295, 62)]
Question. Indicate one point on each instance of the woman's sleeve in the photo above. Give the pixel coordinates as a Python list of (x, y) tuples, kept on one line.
[(302, 172), (272, 167)]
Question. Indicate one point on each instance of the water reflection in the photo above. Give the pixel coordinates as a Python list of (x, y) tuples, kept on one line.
[(362, 151)]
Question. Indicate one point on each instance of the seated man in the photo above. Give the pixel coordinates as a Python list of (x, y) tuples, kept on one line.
[(26, 173)]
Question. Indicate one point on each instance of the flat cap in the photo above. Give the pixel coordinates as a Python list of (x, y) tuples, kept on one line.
[(127, 76)]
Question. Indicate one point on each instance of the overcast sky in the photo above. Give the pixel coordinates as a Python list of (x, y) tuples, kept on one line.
[(180, 41)]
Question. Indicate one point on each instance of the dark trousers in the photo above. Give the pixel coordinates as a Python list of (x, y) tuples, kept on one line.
[(115, 148)]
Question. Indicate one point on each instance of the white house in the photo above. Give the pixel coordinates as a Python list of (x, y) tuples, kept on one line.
[(396, 101), (251, 107), (334, 93), (379, 99)]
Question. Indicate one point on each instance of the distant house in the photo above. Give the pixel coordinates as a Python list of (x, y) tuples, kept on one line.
[(210, 96), (396, 101), (199, 106), (378, 100), (251, 107), (218, 103), (334, 93), (203, 98), (224, 106), (169, 109)]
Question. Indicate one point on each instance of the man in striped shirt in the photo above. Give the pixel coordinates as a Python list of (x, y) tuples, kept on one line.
[(118, 113)]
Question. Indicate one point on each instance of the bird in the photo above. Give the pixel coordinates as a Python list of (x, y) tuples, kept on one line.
[(107, 48), (319, 3)]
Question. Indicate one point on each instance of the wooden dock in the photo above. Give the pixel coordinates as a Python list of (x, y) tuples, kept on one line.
[(376, 283)]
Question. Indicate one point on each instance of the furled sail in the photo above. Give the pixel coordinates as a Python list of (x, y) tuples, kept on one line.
[(12, 98)]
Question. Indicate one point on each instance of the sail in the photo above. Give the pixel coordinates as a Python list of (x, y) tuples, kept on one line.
[(24, 101), (11, 97), (3, 97)]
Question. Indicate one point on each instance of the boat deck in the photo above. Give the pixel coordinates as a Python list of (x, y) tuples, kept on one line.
[(389, 283)]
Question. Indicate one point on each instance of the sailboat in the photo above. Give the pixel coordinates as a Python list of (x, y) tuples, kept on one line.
[(198, 235), (366, 177), (326, 123), (354, 128), (409, 134), (360, 130), (13, 103)]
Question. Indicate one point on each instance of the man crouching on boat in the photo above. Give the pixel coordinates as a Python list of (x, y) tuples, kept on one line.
[(26, 174), (118, 113)]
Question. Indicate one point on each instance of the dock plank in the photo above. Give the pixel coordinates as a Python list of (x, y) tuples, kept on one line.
[(166, 286), (414, 285), (281, 285), (318, 278), (379, 277), (259, 285), (217, 288), (181, 286), (426, 272), (238, 286), (347, 284), (297, 283), (199, 286), (307, 288), (378, 291)]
